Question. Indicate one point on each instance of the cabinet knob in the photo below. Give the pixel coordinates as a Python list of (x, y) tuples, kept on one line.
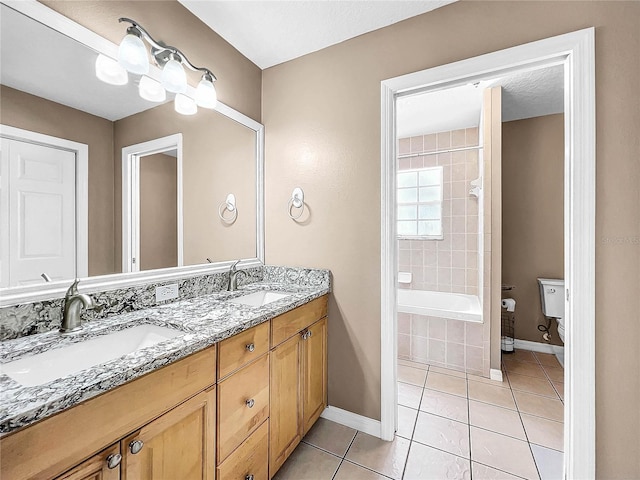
[(250, 403), (249, 477), (309, 333), (136, 446), (251, 347), (305, 335), (113, 460)]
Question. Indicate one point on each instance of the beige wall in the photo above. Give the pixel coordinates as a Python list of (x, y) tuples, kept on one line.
[(218, 158), (158, 212), (239, 80), (322, 119), (532, 215), (36, 114)]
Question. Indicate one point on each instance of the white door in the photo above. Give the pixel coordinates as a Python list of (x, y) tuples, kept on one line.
[(41, 212)]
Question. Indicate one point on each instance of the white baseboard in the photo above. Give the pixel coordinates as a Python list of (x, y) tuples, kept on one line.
[(353, 420), (495, 374), (538, 346)]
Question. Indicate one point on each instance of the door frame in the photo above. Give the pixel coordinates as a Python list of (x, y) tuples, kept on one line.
[(81, 151), (576, 51), (131, 197)]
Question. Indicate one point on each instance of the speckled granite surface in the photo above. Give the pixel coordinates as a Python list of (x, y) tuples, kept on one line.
[(205, 320)]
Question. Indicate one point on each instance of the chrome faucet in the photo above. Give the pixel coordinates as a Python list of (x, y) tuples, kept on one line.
[(73, 303), (232, 286)]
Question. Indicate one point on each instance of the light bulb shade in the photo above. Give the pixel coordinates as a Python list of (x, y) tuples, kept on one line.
[(151, 90), (185, 105), (174, 79), (206, 96), (132, 55), (109, 71)]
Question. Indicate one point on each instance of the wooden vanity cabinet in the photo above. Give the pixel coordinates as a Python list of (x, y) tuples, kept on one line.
[(298, 377), (103, 466)]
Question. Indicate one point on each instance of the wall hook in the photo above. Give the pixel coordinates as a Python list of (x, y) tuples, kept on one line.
[(296, 201), (229, 205)]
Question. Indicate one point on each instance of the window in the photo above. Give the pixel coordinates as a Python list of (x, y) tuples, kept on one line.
[(420, 203)]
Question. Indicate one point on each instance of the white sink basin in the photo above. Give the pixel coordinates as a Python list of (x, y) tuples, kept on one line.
[(45, 367), (258, 299)]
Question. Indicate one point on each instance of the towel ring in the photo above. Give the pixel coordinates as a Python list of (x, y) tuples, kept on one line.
[(296, 201), (229, 205)]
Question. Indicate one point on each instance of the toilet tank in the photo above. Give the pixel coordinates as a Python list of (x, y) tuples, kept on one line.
[(552, 297)]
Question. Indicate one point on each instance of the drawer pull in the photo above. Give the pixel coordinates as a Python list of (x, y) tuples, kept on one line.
[(249, 477), (113, 460), (250, 403), (136, 446), (251, 347)]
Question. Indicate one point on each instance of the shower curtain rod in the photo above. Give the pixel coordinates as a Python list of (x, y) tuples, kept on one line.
[(422, 154)]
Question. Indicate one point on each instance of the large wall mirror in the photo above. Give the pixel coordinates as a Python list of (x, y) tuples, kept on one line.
[(98, 183)]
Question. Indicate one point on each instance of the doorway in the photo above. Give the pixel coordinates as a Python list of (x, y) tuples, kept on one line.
[(575, 52)]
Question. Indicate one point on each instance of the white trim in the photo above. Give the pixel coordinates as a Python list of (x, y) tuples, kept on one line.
[(495, 374), (131, 197), (538, 347), (66, 26), (81, 151), (577, 52), (352, 420)]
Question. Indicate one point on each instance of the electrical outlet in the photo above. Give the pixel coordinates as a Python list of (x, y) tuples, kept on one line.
[(166, 292)]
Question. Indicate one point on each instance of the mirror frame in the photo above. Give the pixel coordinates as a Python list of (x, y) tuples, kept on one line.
[(32, 293)]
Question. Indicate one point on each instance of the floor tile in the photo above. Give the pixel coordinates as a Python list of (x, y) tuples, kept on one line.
[(387, 458), (548, 359), (484, 392), (482, 472), (496, 419), (549, 462), (330, 436), (478, 378), (539, 386), (559, 386), (409, 395), (442, 433), (447, 384), (406, 421), (521, 356), (308, 463), (544, 432), (550, 408), (555, 374), (413, 376), (445, 405), (448, 371), (351, 471), (523, 368), (409, 363), (504, 453), (426, 463)]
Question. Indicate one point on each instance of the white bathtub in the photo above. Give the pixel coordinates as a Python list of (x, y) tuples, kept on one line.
[(457, 306)]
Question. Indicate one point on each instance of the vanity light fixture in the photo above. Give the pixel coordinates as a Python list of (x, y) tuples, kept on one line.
[(134, 58)]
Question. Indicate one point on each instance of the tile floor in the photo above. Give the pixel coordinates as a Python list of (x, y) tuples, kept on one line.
[(451, 425)]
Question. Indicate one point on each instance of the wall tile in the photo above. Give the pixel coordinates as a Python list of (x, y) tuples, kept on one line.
[(455, 354), (419, 348), (419, 326), (458, 138), (404, 146), (430, 142), (436, 351), (417, 145), (444, 140)]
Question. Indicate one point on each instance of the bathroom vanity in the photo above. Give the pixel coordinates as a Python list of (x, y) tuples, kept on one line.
[(230, 398)]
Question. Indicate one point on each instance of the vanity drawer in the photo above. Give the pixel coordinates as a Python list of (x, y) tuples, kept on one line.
[(288, 324), (242, 348), (250, 458), (243, 404)]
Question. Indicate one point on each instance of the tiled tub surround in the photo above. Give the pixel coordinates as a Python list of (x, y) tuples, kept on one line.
[(442, 342), (205, 320), (451, 264)]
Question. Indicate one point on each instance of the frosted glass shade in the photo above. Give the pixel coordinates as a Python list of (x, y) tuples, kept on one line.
[(109, 71), (185, 105), (132, 55), (173, 77), (206, 96), (151, 90)]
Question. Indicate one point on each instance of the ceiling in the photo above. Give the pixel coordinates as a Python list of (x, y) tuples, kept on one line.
[(273, 32)]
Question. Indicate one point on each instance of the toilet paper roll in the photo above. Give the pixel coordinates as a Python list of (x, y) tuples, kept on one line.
[(509, 304)]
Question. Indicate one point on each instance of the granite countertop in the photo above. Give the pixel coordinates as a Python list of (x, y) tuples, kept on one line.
[(204, 320)]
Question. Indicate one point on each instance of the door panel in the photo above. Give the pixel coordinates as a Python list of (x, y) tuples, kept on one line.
[(314, 375), (96, 468)]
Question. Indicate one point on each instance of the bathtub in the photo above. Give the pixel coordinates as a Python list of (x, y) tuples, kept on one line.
[(457, 306)]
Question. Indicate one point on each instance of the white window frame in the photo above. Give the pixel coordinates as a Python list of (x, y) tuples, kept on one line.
[(418, 203)]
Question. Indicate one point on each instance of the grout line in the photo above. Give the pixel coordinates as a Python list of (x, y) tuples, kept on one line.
[(337, 469), (444, 451), (495, 468)]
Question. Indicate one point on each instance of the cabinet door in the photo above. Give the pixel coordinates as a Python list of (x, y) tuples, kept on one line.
[(314, 373), (177, 445), (103, 466), (286, 407)]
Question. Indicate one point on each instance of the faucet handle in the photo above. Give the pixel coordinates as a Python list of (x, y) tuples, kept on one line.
[(233, 266), (73, 289)]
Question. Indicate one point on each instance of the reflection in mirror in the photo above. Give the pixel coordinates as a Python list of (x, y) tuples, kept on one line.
[(51, 98)]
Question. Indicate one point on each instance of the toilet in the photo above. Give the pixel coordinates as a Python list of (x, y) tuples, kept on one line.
[(552, 298)]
